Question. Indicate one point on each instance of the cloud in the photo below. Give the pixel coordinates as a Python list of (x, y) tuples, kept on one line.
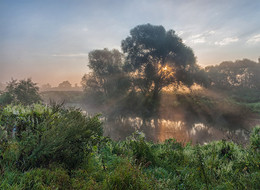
[(85, 29), (197, 39), (226, 41), (196, 36), (254, 39), (211, 32), (201, 38), (179, 33), (71, 55)]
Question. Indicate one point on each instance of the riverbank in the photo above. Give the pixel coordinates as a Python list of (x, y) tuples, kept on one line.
[(58, 148)]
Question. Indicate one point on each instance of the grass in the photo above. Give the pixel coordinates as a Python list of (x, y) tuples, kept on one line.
[(48, 154), (255, 107)]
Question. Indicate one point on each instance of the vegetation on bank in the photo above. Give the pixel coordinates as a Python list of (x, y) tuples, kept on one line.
[(55, 148)]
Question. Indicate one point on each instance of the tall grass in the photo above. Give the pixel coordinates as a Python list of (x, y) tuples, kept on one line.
[(56, 148)]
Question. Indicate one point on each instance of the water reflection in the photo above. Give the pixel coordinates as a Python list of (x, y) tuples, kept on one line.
[(182, 127), (158, 130)]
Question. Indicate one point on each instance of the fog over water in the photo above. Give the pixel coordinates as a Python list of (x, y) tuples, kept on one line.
[(183, 131), (183, 126)]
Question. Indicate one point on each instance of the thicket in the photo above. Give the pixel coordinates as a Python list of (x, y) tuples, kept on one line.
[(45, 147)]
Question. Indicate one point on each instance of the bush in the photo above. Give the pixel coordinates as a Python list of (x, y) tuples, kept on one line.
[(255, 138), (45, 179), (54, 148), (142, 151), (37, 179), (126, 176), (25, 92), (47, 135), (5, 98)]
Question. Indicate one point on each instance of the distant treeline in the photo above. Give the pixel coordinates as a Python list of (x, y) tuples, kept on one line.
[(241, 74), (64, 86)]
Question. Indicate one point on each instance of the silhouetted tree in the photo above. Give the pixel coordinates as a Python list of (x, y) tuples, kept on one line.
[(157, 58), (106, 79), (25, 92), (65, 84)]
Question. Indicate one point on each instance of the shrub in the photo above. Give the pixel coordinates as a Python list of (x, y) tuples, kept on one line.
[(127, 177), (255, 138), (25, 92), (54, 148), (47, 135), (142, 150), (56, 178), (45, 179)]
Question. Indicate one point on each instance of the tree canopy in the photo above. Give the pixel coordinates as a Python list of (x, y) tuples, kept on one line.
[(152, 59), (235, 75), (24, 91), (158, 58), (107, 78), (65, 84)]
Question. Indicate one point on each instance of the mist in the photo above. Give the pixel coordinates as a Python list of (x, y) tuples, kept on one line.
[(140, 94), (193, 77)]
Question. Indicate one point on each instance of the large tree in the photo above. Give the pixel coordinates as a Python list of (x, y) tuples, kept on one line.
[(157, 58), (106, 79), (24, 91)]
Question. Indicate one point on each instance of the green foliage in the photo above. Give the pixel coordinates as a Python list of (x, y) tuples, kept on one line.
[(255, 138), (5, 98), (56, 178), (56, 148), (255, 107), (107, 80), (127, 176), (158, 58), (46, 179), (25, 92), (142, 151), (43, 135)]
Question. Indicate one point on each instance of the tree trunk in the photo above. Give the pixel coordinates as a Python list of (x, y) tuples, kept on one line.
[(155, 100), (156, 91)]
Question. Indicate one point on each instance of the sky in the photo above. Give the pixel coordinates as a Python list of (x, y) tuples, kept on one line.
[(49, 40)]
